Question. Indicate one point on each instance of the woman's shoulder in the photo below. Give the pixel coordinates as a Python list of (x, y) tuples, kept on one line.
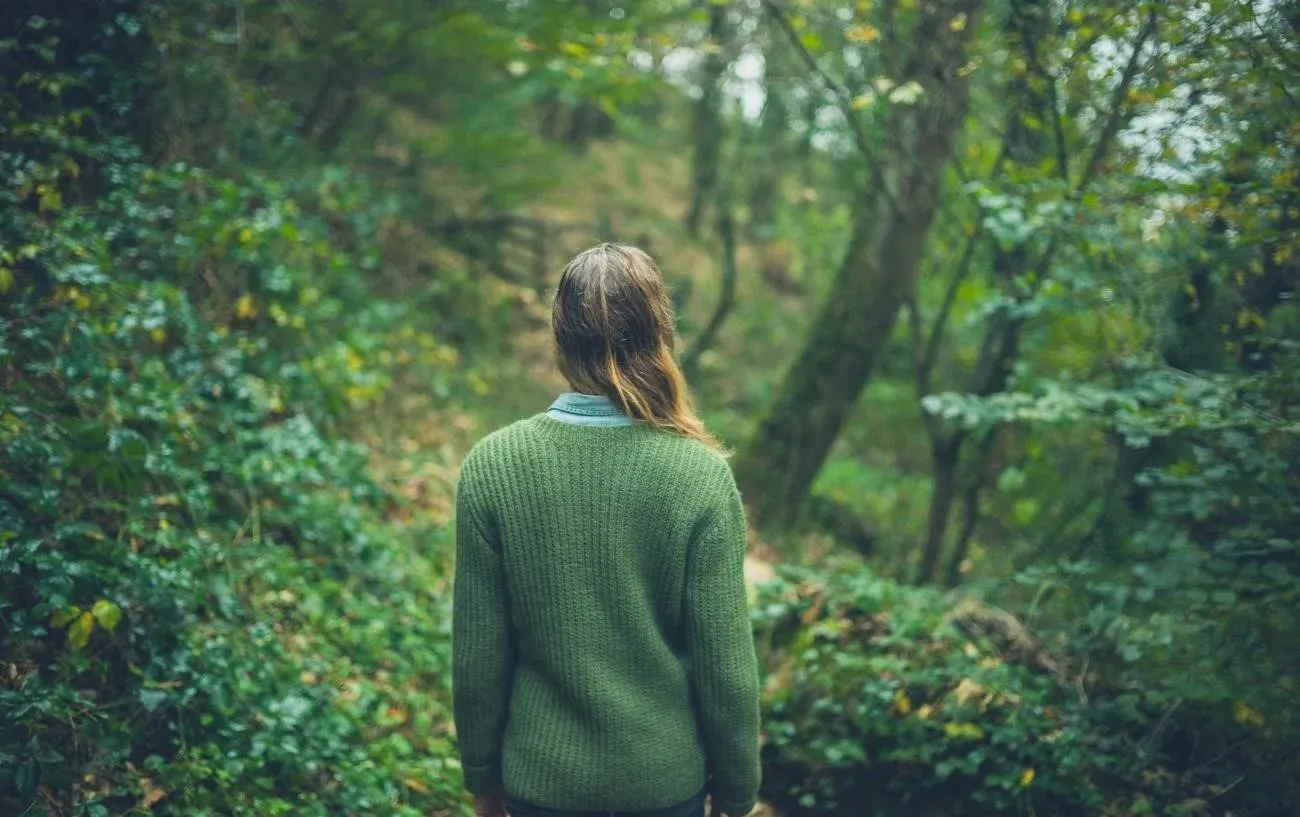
[(504, 438), (682, 459), (690, 459)]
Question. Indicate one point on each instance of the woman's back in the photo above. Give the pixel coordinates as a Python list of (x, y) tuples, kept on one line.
[(611, 542), (603, 655)]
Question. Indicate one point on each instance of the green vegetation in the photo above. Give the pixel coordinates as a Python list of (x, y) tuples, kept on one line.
[(996, 301)]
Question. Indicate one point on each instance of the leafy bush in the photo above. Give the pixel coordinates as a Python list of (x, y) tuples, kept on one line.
[(891, 700), (207, 604)]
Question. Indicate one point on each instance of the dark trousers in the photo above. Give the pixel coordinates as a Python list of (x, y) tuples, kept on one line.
[(694, 807)]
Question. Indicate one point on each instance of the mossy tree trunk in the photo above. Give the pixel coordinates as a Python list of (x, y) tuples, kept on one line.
[(875, 277)]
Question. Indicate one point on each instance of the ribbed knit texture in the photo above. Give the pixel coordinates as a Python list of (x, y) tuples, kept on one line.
[(603, 656)]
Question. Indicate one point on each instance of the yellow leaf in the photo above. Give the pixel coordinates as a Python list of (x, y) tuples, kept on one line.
[(415, 785), (862, 34), (907, 93), (61, 618), (354, 361), (158, 334), (50, 199), (967, 690), (902, 703), (150, 793), (245, 308), (1026, 777), (6, 279), (79, 632), (963, 730), (969, 68), (575, 50), (107, 614), (958, 23), (245, 235), (1244, 713)]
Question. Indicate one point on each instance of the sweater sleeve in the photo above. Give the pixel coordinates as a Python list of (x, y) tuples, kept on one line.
[(720, 641), (483, 648)]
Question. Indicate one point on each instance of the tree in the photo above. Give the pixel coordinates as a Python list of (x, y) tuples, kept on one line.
[(920, 104), (1033, 164), (707, 130)]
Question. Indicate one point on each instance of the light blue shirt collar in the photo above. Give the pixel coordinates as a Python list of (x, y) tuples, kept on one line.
[(594, 410)]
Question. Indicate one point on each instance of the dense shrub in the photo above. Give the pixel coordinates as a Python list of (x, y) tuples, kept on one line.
[(207, 606), (892, 700)]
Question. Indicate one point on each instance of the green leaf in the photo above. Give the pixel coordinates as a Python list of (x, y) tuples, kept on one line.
[(107, 614), (61, 618), (963, 730), (151, 699), (26, 777)]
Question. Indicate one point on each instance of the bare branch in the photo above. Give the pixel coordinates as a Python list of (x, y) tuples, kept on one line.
[(842, 96), (1118, 109), (1054, 103)]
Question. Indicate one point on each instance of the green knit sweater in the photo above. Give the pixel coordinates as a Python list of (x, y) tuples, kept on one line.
[(603, 656)]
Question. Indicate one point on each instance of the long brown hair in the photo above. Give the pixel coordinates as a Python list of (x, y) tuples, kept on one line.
[(615, 335)]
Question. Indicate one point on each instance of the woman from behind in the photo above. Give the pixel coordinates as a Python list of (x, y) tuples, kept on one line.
[(603, 658)]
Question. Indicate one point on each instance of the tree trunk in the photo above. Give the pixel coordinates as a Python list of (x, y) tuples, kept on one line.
[(726, 298), (944, 457), (970, 504), (708, 120), (776, 468)]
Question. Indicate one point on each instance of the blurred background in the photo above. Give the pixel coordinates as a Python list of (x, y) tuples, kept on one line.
[(993, 300)]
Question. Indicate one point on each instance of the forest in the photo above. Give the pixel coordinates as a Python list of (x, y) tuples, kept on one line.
[(994, 303)]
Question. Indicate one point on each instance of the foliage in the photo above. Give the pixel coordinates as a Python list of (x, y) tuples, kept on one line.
[(236, 237), (207, 608), (887, 699)]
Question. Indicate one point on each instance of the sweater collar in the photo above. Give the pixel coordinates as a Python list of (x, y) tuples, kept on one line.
[(587, 410)]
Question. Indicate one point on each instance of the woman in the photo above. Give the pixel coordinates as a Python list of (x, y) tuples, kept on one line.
[(603, 658)]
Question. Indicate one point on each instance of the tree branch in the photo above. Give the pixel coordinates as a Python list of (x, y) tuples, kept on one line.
[(922, 372), (727, 233), (1117, 107), (959, 275), (842, 96), (1054, 103)]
